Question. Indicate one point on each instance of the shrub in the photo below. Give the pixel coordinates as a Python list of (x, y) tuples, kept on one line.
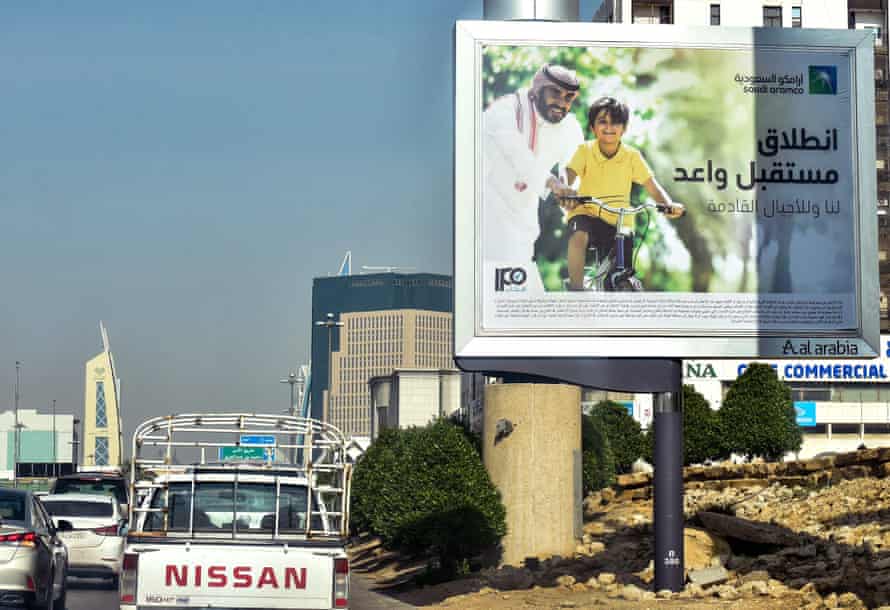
[(625, 436), (426, 490), (702, 433), (598, 463), (758, 415)]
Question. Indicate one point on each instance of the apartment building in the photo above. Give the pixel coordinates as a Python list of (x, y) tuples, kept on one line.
[(835, 14), (840, 404)]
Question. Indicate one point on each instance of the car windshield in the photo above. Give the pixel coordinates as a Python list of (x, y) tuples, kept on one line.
[(78, 508), (12, 508), (99, 487), (218, 507)]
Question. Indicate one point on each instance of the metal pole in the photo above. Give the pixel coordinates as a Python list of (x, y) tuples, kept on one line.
[(668, 481), (54, 431), (15, 453)]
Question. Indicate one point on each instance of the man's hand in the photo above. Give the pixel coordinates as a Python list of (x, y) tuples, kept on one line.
[(560, 190)]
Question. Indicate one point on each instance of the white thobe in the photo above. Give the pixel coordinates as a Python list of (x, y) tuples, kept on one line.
[(519, 147)]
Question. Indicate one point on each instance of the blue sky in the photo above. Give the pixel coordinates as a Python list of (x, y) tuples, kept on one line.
[(183, 170)]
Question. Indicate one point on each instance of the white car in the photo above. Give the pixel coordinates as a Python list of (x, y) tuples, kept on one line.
[(96, 544)]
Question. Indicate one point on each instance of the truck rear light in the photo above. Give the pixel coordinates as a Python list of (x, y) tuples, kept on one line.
[(29, 584), (128, 578), (341, 583), (20, 539), (111, 530)]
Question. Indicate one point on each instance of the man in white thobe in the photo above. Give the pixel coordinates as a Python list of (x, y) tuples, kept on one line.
[(524, 135)]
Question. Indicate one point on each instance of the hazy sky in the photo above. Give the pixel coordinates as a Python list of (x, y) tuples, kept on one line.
[(182, 170)]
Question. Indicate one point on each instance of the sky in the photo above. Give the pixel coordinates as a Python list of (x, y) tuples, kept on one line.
[(181, 171)]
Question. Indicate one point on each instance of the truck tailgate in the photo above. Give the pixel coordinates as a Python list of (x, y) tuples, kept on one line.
[(234, 576)]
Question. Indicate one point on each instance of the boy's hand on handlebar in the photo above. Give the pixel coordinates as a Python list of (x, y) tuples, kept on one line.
[(673, 210)]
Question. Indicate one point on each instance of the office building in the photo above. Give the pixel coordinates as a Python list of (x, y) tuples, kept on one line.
[(413, 397), (42, 438), (366, 326)]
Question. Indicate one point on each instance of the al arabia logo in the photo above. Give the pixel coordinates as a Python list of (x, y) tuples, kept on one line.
[(509, 278), (823, 80)]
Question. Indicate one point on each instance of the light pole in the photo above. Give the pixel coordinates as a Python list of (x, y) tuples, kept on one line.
[(293, 380), (54, 431), (330, 323), (75, 444), (15, 453)]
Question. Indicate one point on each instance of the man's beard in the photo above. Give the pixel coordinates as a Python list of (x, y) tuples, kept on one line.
[(544, 111)]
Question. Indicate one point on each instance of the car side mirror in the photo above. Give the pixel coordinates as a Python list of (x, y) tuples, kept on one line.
[(63, 525)]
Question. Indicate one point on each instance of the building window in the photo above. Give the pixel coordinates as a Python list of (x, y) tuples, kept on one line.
[(664, 14), (715, 14), (100, 454), (772, 16), (795, 17), (101, 414)]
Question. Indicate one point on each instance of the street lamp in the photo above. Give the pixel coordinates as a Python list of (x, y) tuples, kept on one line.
[(16, 438), (330, 323), (75, 444)]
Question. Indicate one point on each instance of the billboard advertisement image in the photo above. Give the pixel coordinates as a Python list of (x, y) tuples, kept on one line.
[(688, 192)]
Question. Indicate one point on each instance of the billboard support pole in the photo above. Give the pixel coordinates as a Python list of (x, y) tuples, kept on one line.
[(668, 489), (661, 377)]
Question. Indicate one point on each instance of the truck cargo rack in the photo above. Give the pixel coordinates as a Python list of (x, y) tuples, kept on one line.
[(293, 447)]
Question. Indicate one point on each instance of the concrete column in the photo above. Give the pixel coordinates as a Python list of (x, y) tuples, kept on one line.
[(532, 450)]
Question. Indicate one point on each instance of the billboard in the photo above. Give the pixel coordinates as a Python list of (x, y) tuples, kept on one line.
[(664, 192)]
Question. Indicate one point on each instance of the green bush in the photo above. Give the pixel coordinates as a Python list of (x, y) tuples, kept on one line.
[(702, 433), (426, 490), (625, 436), (598, 463), (758, 415)]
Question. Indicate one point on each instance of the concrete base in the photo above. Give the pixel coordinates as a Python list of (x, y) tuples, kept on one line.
[(532, 451)]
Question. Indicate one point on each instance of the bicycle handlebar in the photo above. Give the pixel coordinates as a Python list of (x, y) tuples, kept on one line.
[(630, 210)]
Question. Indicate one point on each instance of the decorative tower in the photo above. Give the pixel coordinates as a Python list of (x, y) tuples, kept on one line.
[(101, 411)]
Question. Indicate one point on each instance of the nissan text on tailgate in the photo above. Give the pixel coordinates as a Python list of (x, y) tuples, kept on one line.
[(262, 526)]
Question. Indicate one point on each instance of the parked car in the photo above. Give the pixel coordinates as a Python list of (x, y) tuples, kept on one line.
[(101, 483), (33, 558), (96, 544)]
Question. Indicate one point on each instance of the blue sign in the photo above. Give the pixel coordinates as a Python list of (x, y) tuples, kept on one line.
[(257, 439), (627, 404), (806, 413)]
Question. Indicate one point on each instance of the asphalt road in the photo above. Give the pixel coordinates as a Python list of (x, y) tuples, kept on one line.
[(90, 594)]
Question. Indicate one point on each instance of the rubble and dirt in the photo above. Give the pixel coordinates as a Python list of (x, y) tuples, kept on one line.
[(774, 543)]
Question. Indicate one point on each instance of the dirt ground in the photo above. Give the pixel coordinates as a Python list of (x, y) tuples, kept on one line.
[(832, 550)]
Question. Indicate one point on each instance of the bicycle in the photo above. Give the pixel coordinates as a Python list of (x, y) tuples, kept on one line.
[(612, 273)]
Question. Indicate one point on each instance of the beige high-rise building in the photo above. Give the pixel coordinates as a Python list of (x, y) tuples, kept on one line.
[(101, 410), (375, 343)]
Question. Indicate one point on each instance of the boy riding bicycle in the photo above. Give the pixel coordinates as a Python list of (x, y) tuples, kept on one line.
[(608, 169)]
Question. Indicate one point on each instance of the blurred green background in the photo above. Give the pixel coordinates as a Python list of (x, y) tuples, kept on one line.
[(685, 109)]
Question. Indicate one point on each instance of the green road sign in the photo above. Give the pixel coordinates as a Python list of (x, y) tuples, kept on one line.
[(234, 454)]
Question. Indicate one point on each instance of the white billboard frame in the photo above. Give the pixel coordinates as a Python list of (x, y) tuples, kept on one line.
[(472, 341)]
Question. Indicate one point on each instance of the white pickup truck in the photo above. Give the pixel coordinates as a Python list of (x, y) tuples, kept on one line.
[(261, 528)]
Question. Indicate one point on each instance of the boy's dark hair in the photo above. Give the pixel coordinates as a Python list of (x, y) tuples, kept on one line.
[(615, 110)]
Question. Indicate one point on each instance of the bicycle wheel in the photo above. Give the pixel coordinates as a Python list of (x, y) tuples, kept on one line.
[(625, 283)]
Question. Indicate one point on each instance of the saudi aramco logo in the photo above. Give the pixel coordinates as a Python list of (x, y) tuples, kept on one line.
[(823, 80)]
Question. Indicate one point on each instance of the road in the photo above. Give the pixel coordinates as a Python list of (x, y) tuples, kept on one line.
[(89, 594)]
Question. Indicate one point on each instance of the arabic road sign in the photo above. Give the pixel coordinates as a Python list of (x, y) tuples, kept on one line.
[(234, 454)]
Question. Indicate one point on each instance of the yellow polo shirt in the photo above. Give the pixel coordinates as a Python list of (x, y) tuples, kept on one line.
[(607, 179)]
